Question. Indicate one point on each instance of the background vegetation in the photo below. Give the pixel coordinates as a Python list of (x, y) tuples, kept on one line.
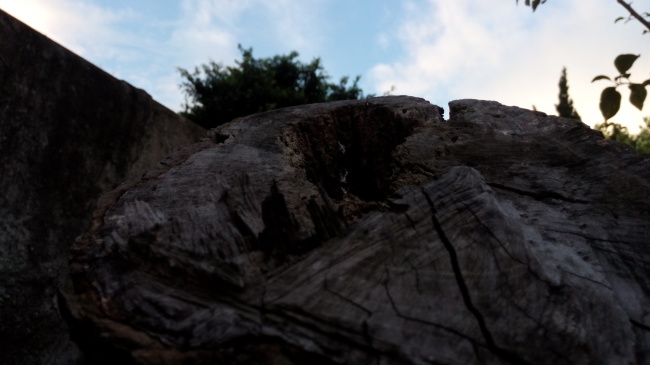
[(216, 94), (610, 98)]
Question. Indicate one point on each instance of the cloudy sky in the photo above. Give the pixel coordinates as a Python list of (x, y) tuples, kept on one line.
[(440, 50)]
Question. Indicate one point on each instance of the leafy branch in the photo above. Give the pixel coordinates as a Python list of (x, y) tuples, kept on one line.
[(643, 19), (635, 14), (610, 98)]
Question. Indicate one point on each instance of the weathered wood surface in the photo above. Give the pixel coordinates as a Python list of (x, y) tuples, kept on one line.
[(376, 232)]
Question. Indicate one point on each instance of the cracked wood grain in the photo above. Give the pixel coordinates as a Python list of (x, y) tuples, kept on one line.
[(462, 286), (465, 241)]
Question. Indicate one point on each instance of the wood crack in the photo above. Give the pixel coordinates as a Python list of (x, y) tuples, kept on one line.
[(539, 195), (423, 321), (500, 352), (411, 221), (364, 325), (639, 325)]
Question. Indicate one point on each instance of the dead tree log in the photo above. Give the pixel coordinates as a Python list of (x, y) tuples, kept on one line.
[(376, 232)]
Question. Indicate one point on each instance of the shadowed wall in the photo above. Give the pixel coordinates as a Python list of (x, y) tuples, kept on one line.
[(68, 132)]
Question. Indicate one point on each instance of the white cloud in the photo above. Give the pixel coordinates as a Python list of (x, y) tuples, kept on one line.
[(214, 27), (205, 12), (443, 44), (296, 22), (86, 29), (496, 50), (205, 29)]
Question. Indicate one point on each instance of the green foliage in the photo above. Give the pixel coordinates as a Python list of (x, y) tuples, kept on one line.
[(218, 94), (643, 18), (610, 98), (610, 102), (565, 107), (619, 133), (642, 139), (534, 4), (624, 62)]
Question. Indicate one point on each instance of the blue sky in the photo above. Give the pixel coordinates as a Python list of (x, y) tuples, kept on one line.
[(440, 50)]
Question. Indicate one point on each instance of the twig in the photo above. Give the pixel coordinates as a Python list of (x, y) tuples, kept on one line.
[(634, 13)]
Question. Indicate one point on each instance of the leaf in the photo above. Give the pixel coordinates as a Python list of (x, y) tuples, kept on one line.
[(646, 82), (618, 19), (535, 4), (610, 102), (601, 77), (624, 62), (638, 94)]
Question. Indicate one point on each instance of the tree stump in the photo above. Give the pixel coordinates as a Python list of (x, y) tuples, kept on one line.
[(375, 232)]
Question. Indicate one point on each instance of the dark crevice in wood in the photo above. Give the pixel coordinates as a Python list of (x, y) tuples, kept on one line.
[(639, 325), (366, 333), (410, 221), (346, 299), (419, 320), (327, 222), (464, 290), (588, 279), (219, 138), (424, 170), (320, 327), (539, 195), (280, 237), (418, 287)]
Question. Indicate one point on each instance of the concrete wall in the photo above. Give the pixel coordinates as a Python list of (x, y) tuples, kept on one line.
[(68, 132)]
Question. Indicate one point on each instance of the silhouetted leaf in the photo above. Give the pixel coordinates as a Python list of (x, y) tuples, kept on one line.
[(618, 19), (610, 102), (637, 95), (535, 3), (601, 77), (624, 62), (623, 76)]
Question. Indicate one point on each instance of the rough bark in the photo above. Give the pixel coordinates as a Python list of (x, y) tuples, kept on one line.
[(376, 232), (68, 132)]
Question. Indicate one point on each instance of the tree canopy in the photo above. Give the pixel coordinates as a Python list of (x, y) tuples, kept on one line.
[(217, 94)]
